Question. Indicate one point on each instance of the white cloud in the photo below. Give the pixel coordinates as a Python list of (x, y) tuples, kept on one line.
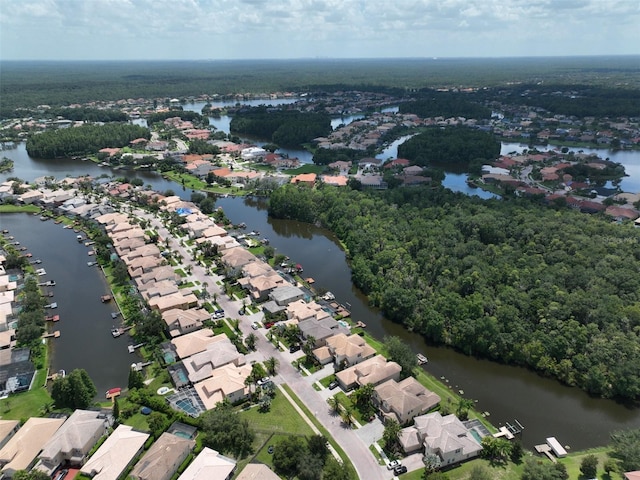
[(332, 28)]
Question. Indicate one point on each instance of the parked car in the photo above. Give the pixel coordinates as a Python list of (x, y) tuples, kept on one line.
[(294, 348), (264, 381), (333, 385), (393, 464), (399, 470), (61, 474), (255, 325)]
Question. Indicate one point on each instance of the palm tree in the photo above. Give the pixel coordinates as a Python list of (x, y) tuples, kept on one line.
[(251, 342), (462, 410), (346, 416), (271, 364), (334, 404)]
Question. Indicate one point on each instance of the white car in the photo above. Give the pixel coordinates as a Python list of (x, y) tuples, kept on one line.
[(393, 464), (255, 325)]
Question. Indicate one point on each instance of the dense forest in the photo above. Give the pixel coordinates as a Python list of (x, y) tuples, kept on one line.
[(83, 140), (553, 290), (27, 84), (430, 103), (576, 100), (87, 114), (283, 127), (452, 145)]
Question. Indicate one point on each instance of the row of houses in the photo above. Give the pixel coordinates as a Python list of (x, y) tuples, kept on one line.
[(16, 368), (50, 444)]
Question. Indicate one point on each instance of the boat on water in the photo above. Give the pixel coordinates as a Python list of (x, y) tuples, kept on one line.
[(51, 305), (105, 298), (79, 238), (116, 332), (52, 318), (421, 359)]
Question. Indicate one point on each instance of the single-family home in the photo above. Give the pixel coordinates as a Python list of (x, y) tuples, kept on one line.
[(401, 401), (227, 381), (202, 364), (117, 452), (321, 329), (349, 350), (260, 286), (8, 429), (286, 294), (445, 437), (209, 465), (73, 441), (372, 371), (180, 322), (236, 258), (21, 451), (181, 299), (258, 471), (163, 459), (195, 342), (305, 178)]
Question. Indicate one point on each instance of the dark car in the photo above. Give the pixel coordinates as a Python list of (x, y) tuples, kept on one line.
[(333, 385), (399, 470), (294, 348)]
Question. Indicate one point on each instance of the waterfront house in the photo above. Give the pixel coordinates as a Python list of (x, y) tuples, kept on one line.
[(195, 342), (16, 369), (73, 441), (349, 350), (236, 258), (308, 179), (180, 322), (201, 365), (163, 459), (8, 429), (401, 401), (21, 451), (286, 294), (227, 381), (257, 471), (301, 311), (445, 437), (321, 329), (372, 371), (209, 465), (335, 180), (182, 299), (260, 286), (116, 454)]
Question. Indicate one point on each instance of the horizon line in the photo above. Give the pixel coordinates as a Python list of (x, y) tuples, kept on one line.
[(433, 58)]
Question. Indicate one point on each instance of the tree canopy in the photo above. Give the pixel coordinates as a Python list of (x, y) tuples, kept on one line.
[(513, 281), (73, 391), (451, 146), (431, 103), (282, 127), (83, 140), (226, 432)]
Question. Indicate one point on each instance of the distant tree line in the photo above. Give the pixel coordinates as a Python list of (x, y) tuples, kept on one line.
[(450, 146), (430, 103), (556, 291), (83, 140), (571, 100), (87, 114), (282, 127)]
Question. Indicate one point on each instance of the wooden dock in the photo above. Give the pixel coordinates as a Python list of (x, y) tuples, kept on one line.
[(545, 450)]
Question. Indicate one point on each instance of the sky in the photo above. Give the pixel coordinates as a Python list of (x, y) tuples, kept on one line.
[(284, 29)]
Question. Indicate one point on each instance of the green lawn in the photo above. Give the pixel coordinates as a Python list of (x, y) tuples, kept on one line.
[(308, 168), (23, 405), (281, 418), (6, 208)]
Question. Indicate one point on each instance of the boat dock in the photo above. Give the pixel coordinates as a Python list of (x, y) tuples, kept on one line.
[(51, 305), (55, 334), (132, 348)]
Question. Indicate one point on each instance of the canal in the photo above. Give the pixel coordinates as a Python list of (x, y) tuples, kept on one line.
[(543, 406), (85, 322)]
